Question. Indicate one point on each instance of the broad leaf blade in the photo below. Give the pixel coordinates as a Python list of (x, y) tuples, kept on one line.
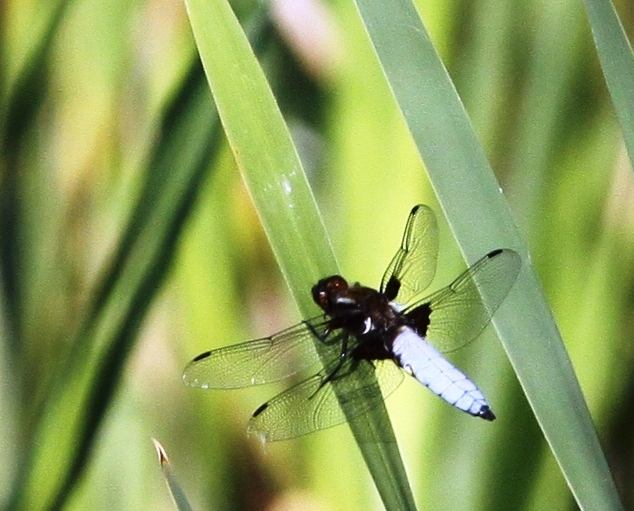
[(465, 184), (272, 171), (617, 61)]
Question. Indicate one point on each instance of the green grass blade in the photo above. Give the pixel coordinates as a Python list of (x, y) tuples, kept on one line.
[(21, 100), (74, 410), (265, 155), (25, 97), (271, 169), (176, 492), (617, 61), (481, 220)]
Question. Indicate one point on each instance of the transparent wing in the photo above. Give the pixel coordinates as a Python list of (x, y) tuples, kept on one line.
[(259, 361), (306, 407), (457, 314), (413, 266)]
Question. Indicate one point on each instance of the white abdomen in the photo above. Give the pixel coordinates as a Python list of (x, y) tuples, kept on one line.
[(428, 366)]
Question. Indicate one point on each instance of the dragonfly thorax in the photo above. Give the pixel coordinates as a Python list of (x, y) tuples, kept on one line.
[(361, 311)]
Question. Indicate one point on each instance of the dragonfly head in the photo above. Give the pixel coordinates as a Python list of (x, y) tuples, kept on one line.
[(328, 292)]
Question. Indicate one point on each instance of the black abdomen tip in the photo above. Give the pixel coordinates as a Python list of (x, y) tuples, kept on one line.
[(487, 414)]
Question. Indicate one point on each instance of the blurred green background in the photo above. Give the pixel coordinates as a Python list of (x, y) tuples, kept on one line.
[(128, 245)]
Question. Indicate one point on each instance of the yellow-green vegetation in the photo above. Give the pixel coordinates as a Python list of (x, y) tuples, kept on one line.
[(152, 208)]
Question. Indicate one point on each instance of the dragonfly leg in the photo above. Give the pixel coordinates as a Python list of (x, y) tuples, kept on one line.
[(323, 337), (343, 356)]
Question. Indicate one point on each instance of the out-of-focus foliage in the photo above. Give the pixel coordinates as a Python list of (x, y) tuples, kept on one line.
[(117, 193)]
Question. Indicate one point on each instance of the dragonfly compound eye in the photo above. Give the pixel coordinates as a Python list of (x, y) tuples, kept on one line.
[(327, 291)]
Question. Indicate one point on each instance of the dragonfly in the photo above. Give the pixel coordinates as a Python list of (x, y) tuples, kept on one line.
[(377, 335)]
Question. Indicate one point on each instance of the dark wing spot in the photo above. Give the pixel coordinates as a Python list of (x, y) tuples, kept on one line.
[(494, 253), (392, 288), (201, 356), (260, 410)]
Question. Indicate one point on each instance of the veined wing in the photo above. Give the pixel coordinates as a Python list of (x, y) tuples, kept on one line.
[(259, 361), (413, 266), (455, 315), (309, 407)]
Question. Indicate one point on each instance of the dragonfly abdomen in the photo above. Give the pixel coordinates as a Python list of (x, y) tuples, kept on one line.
[(430, 368)]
